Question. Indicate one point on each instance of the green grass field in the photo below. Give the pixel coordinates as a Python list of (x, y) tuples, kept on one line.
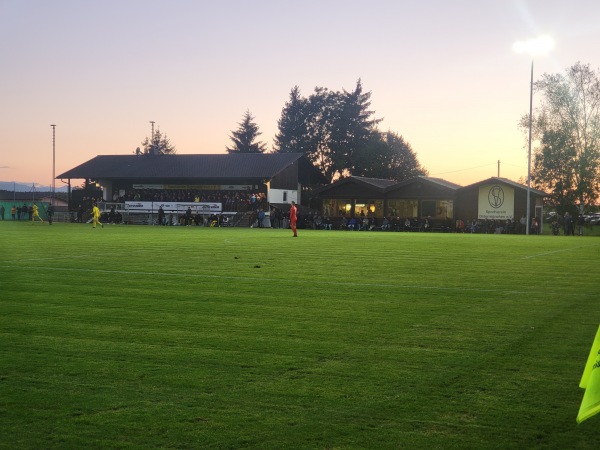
[(175, 337)]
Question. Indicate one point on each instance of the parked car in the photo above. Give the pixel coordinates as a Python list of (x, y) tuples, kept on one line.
[(595, 219)]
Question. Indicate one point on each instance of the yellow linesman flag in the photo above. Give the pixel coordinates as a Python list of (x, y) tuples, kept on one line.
[(590, 381), (590, 361)]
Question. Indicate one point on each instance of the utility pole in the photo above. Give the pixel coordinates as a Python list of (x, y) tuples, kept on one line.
[(53, 162)]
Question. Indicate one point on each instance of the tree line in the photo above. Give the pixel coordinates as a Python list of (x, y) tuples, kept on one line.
[(566, 128), (337, 132)]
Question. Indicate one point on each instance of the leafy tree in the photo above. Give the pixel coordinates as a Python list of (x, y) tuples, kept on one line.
[(159, 144), (387, 156), (329, 127), (244, 138), (568, 128)]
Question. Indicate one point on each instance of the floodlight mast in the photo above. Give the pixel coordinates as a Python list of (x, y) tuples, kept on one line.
[(534, 47)]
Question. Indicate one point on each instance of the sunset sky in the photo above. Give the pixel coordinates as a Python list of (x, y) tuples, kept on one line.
[(442, 73)]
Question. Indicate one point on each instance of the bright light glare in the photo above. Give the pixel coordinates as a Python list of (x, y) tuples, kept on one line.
[(537, 46)]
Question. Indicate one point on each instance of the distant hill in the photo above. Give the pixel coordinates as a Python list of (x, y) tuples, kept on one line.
[(22, 187)]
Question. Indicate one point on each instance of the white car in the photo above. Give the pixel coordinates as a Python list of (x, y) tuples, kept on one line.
[(595, 219)]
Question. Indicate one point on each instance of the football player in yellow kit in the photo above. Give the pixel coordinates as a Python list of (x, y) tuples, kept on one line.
[(96, 217), (35, 213)]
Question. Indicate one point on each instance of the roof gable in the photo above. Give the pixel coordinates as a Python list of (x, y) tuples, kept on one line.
[(505, 181), (351, 186)]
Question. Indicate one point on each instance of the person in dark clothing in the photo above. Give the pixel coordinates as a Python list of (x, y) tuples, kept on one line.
[(580, 224), (569, 229), (261, 218), (50, 214)]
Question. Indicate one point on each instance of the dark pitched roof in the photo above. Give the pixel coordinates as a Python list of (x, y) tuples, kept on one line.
[(237, 165), (505, 181), (374, 183), (440, 182)]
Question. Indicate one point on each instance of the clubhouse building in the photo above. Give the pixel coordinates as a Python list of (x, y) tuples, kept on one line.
[(438, 200)]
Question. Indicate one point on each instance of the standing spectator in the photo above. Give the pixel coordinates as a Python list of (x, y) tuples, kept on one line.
[(293, 217), (535, 226), (274, 216), (13, 212), (580, 224), (161, 215), (261, 218), (50, 213), (569, 229), (2, 211)]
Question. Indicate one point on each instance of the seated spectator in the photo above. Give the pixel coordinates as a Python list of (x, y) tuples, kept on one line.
[(344, 224), (365, 224), (385, 225), (318, 223)]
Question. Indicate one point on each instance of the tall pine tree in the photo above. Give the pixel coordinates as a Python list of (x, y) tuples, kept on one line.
[(159, 144), (244, 138), (353, 126), (292, 136)]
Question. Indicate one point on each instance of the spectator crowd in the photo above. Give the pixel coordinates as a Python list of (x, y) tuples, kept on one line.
[(232, 200)]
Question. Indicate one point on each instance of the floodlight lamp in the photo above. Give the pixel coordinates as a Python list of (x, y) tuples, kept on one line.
[(537, 46)]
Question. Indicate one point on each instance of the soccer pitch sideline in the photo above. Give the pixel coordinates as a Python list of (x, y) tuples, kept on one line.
[(187, 337)]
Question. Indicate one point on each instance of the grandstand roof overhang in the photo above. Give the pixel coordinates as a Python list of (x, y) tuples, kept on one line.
[(237, 166)]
